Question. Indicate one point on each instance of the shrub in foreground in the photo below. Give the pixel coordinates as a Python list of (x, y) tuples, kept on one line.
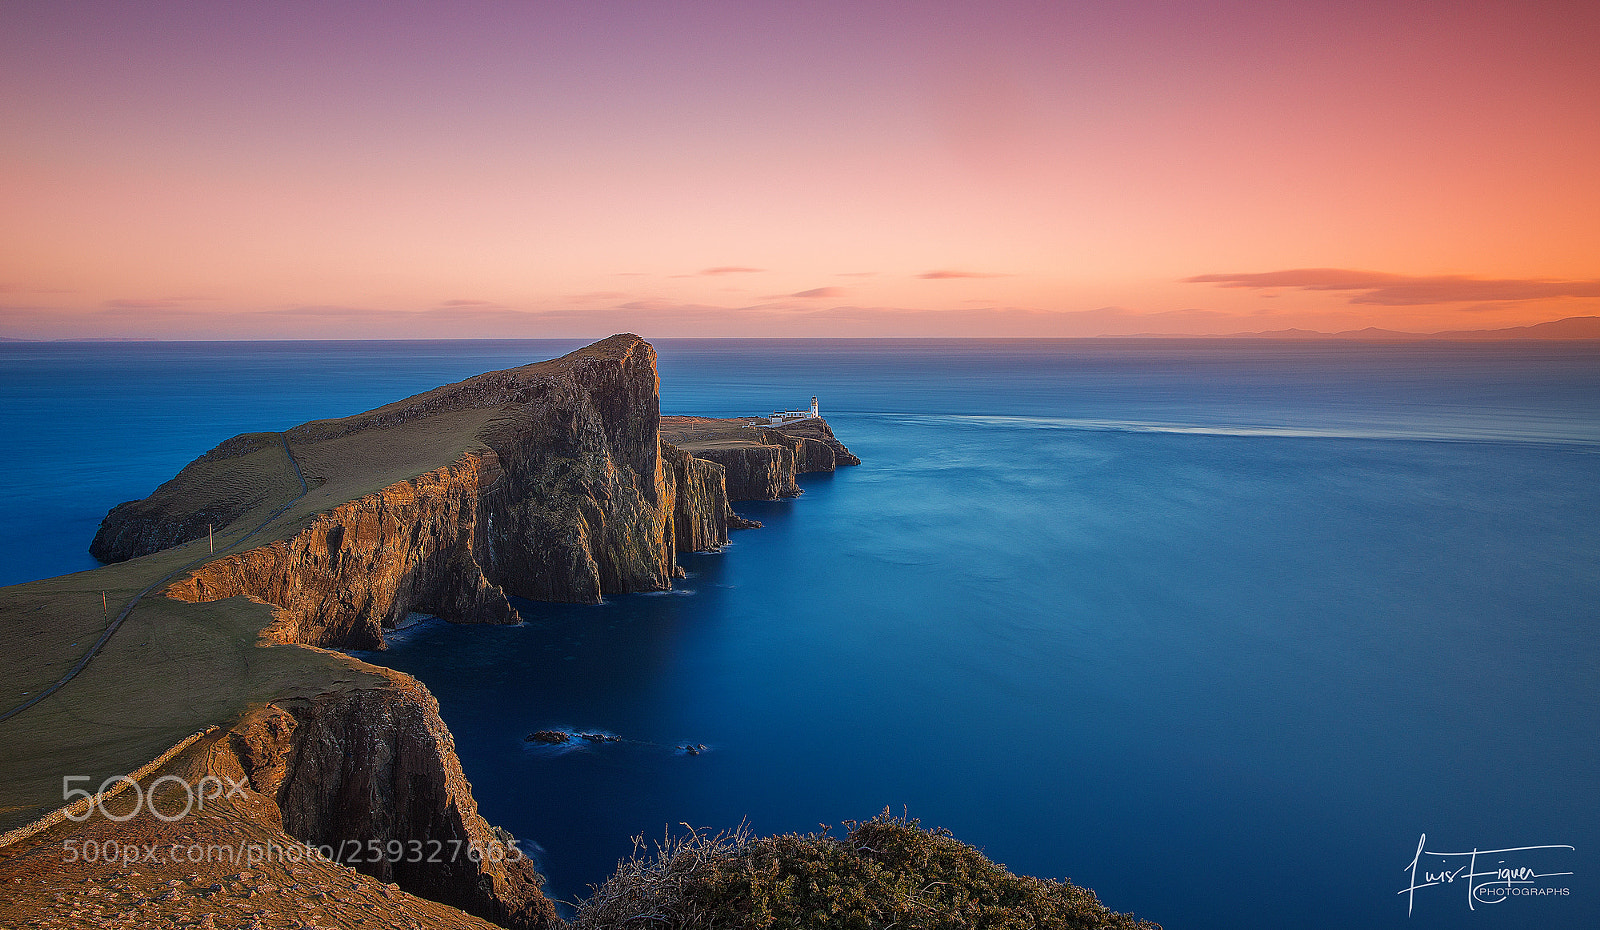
[(886, 871)]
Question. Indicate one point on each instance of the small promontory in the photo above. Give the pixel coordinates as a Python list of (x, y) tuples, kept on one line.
[(760, 460)]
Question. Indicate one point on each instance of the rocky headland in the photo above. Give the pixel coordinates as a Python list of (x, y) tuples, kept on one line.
[(555, 481), (571, 487)]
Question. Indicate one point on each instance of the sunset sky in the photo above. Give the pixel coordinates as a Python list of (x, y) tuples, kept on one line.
[(399, 170)]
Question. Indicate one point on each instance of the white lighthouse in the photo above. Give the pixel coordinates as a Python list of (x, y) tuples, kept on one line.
[(781, 417)]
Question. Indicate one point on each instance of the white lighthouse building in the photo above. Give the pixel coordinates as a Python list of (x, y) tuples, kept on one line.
[(780, 417)]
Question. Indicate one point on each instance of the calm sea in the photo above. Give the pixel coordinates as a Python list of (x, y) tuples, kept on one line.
[(1217, 629)]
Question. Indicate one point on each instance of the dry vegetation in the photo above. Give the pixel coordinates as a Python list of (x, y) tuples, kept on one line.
[(887, 872)]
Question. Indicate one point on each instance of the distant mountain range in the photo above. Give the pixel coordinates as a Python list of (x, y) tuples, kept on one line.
[(1575, 327)]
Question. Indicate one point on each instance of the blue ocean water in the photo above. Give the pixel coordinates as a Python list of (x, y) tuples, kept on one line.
[(1217, 629)]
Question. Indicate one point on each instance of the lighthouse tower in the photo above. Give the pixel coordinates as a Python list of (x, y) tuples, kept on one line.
[(781, 417)]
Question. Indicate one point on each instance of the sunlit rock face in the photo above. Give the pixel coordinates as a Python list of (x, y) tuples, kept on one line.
[(347, 768)]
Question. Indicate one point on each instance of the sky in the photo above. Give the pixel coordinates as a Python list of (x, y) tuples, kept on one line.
[(529, 169)]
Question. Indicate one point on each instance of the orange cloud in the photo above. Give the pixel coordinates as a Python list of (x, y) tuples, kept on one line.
[(730, 269), (943, 275), (1397, 290), (128, 303), (164, 303), (821, 292)]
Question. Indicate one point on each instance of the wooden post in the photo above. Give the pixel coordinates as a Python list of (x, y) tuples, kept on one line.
[(210, 540), (104, 606)]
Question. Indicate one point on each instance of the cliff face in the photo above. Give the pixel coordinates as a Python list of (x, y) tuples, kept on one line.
[(756, 472), (572, 497), (815, 446), (700, 515), (361, 567), (378, 765), (584, 508)]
